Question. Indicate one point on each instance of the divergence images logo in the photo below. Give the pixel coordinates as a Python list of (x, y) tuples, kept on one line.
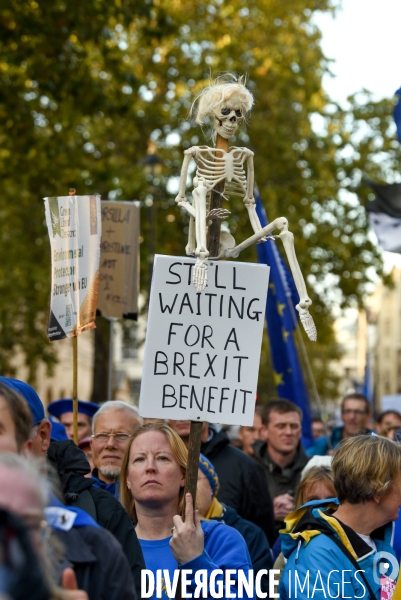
[(381, 563), (55, 216)]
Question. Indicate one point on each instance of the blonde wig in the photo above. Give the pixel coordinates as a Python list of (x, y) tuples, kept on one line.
[(225, 88), (180, 454)]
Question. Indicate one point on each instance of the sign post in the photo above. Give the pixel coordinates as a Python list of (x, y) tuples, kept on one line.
[(74, 227), (119, 268), (213, 245)]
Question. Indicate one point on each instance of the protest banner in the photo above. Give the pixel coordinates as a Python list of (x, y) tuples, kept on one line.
[(202, 349), (119, 260), (74, 226)]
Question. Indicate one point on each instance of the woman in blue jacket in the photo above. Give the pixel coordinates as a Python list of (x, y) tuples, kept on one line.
[(152, 491), (341, 548)]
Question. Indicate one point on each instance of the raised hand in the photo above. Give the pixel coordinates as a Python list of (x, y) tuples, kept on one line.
[(282, 505), (187, 542)]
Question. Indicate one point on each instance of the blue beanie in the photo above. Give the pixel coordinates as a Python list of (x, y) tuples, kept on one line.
[(27, 392), (58, 431), (208, 469)]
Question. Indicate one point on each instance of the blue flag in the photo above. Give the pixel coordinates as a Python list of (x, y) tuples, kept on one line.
[(367, 382), (281, 322), (397, 114)]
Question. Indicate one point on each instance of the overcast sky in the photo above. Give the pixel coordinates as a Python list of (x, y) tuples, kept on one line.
[(364, 41)]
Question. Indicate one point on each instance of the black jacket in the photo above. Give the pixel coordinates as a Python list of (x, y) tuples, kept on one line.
[(258, 546), (281, 480), (99, 563), (71, 465), (243, 483)]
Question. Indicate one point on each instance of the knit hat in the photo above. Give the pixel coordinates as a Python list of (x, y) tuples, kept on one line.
[(316, 461), (65, 405), (27, 392), (58, 431), (208, 469)]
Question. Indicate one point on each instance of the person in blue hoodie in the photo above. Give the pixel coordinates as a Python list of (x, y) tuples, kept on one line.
[(152, 491), (340, 548)]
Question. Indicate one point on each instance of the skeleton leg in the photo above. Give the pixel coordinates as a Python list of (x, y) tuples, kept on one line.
[(199, 279), (234, 252), (191, 246), (304, 300)]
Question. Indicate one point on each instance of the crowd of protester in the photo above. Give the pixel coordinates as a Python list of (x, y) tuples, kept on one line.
[(88, 519)]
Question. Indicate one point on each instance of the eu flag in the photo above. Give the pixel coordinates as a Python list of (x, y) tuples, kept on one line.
[(397, 114), (281, 322)]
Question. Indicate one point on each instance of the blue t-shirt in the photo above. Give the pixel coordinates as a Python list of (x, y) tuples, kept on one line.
[(224, 548)]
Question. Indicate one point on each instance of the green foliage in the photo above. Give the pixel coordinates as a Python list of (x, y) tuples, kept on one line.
[(84, 87)]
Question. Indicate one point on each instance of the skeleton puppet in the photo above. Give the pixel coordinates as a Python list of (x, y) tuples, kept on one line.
[(228, 104)]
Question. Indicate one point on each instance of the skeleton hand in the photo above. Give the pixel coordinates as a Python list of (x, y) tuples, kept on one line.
[(217, 213), (272, 238)]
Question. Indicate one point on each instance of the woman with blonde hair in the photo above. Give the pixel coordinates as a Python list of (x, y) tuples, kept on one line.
[(341, 548), (152, 491), (317, 483)]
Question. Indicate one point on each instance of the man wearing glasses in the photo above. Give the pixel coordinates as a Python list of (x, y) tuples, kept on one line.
[(355, 414), (112, 427)]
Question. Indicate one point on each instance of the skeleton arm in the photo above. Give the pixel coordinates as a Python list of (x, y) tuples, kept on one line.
[(181, 198), (288, 242), (249, 200)]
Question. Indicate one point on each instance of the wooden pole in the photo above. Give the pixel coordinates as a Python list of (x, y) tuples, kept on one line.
[(216, 201), (213, 244), (74, 373), (111, 361), (75, 386), (194, 445)]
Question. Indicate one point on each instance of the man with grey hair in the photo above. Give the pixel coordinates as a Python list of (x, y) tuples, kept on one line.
[(112, 427), (65, 458)]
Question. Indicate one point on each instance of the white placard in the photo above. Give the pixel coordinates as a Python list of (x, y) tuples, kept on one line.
[(74, 225), (202, 349)]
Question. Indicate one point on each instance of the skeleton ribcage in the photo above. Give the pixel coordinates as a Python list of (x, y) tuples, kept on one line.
[(212, 168)]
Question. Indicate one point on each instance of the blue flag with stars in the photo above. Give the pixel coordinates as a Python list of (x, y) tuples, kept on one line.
[(397, 114), (281, 322)]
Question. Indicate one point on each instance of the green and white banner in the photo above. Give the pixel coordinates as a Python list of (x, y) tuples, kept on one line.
[(75, 227)]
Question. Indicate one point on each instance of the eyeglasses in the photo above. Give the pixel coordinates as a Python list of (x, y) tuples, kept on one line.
[(104, 437), (358, 413)]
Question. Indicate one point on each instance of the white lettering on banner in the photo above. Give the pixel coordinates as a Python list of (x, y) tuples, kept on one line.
[(202, 349)]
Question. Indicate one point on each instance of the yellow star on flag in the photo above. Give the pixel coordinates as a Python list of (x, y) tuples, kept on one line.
[(278, 378), (285, 334), (280, 308), (272, 287)]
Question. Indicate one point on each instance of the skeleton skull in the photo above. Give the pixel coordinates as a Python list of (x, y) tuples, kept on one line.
[(227, 117)]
